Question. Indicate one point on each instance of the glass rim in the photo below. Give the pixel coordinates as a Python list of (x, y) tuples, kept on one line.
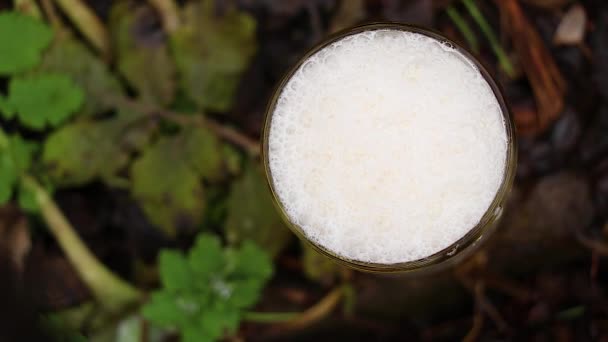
[(467, 243)]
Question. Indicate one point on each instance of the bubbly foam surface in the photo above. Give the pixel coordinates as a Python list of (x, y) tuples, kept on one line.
[(387, 146)]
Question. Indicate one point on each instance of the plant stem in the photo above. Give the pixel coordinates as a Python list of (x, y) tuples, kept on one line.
[(486, 29), (86, 21), (251, 146), (463, 27), (295, 320), (112, 293), (317, 311), (270, 317), (169, 14), (28, 7)]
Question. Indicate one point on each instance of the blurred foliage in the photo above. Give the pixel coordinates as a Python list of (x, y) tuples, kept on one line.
[(318, 267), (88, 134), (56, 328), (141, 52), (82, 151), (71, 58), (252, 214), (205, 293), (44, 99), (24, 40), (167, 178), (211, 52), (15, 159)]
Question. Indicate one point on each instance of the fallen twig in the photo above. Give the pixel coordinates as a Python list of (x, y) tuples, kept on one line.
[(469, 276), (317, 312), (545, 78), (88, 23), (478, 320)]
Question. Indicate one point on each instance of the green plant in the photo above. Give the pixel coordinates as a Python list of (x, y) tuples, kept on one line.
[(205, 294), (39, 100), (68, 120), (462, 25)]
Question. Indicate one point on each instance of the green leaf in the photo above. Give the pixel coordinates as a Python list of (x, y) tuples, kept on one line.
[(207, 256), (216, 321), (22, 40), (245, 293), (211, 52), (169, 189), (72, 58), (228, 281), (86, 150), (195, 334), (252, 262), (251, 213), (142, 53), (44, 99), (204, 150), (212, 323), (167, 178), (163, 310), (174, 270), (6, 108)]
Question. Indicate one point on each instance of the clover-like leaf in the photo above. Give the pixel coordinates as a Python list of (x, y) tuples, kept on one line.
[(246, 293), (174, 270), (22, 41), (215, 305), (44, 99), (165, 309), (168, 178), (211, 52), (215, 321), (252, 262), (207, 256)]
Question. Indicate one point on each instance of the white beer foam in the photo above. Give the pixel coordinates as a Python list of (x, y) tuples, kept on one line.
[(387, 146)]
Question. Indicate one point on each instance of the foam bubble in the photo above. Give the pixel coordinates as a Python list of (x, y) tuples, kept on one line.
[(387, 146)]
